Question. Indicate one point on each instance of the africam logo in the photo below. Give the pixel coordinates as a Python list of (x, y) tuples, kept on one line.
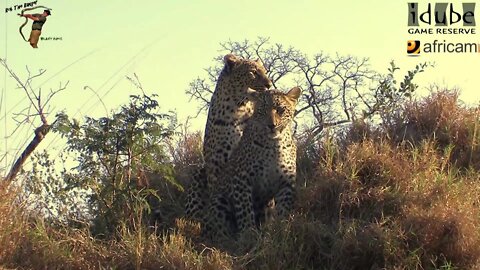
[(442, 46), (413, 47)]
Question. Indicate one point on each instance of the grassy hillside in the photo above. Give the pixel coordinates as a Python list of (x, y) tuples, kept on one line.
[(401, 195)]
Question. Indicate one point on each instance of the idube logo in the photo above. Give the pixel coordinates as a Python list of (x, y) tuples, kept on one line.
[(444, 14)]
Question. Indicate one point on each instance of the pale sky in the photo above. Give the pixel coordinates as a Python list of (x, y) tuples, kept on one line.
[(169, 43)]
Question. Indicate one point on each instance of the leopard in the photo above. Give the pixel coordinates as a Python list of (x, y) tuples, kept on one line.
[(229, 111), (261, 168)]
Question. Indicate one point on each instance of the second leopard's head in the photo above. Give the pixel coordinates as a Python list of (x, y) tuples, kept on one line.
[(274, 109)]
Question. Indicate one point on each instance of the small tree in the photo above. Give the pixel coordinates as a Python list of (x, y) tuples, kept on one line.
[(112, 154)]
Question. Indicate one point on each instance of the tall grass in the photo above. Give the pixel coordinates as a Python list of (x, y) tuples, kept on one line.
[(443, 118)]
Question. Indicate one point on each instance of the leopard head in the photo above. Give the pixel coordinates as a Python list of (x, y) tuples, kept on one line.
[(274, 109), (246, 73)]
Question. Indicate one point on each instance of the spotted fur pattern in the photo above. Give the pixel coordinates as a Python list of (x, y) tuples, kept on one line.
[(261, 168), (230, 109)]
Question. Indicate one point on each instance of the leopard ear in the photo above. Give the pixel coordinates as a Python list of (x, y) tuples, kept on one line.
[(294, 93), (252, 93), (230, 60)]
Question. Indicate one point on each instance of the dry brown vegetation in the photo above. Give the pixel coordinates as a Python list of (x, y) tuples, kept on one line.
[(404, 195)]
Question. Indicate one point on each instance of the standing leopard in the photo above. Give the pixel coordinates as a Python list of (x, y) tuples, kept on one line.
[(230, 108), (261, 168)]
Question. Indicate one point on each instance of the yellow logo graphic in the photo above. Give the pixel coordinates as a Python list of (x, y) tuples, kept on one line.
[(413, 47)]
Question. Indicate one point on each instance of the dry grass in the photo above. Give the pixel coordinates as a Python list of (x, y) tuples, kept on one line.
[(380, 207), (443, 118), (12, 224), (36, 244)]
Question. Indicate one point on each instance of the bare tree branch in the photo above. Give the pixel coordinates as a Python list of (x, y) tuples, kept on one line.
[(336, 89), (39, 105)]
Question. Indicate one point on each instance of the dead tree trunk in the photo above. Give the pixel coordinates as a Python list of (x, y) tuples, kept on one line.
[(40, 134)]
